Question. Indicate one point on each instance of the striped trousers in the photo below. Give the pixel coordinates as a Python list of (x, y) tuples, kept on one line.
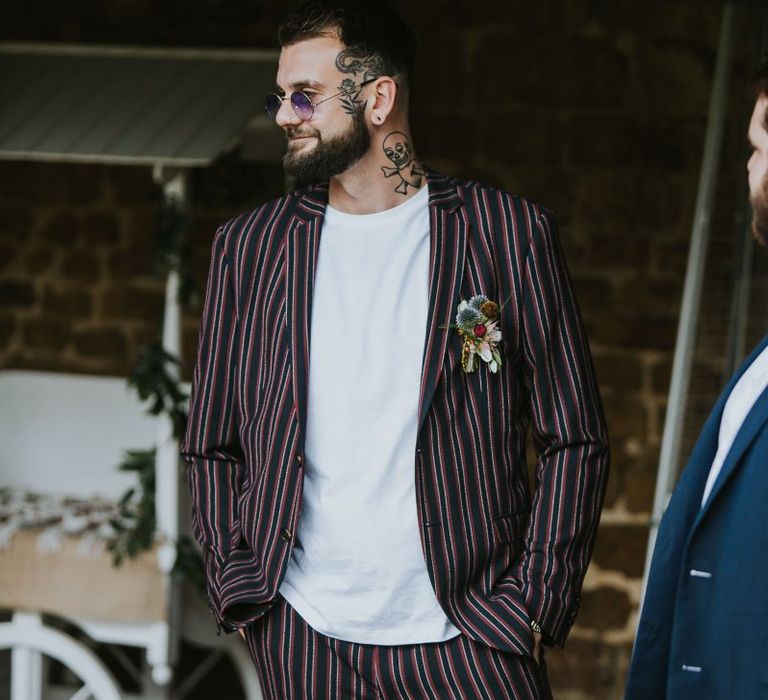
[(295, 662)]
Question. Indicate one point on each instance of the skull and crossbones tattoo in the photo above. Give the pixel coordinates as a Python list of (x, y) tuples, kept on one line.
[(397, 148)]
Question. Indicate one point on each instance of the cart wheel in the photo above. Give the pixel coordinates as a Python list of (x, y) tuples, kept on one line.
[(29, 640)]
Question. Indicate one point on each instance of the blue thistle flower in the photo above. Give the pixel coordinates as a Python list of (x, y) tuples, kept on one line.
[(468, 318), (477, 301)]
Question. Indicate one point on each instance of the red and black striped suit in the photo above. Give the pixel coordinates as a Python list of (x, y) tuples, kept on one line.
[(497, 554)]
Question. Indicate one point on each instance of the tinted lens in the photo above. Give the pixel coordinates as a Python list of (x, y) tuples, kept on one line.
[(272, 104), (302, 106)]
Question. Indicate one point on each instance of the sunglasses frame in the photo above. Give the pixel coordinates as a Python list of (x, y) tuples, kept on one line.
[(311, 105)]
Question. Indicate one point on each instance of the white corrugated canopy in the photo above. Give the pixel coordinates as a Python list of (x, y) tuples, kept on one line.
[(133, 106)]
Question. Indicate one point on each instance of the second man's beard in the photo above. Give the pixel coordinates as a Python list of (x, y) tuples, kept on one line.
[(330, 157), (760, 214)]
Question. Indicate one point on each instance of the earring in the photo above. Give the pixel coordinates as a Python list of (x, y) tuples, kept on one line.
[(377, 120)]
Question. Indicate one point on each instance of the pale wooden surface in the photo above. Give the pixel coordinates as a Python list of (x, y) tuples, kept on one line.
[(70, 584)]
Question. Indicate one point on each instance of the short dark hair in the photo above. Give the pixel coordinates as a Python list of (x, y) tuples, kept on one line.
[(365, 27)]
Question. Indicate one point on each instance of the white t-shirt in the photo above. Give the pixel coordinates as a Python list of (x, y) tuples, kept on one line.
[(357, 571), (743, 396)]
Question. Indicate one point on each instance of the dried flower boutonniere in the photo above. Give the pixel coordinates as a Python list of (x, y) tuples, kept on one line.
[(477, 321)]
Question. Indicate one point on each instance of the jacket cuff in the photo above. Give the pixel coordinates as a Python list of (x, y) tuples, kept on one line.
[(554, 617)]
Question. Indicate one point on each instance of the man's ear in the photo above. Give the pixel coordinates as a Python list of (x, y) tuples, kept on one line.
[(383, 102)]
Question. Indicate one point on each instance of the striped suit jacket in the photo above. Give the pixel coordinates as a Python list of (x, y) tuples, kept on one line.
[(497, 554)]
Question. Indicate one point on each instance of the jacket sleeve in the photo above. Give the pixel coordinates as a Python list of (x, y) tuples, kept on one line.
[(211, 446), (569, 434)]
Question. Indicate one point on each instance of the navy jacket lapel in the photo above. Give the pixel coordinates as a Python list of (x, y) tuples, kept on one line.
[(755, 420), (448, 244)]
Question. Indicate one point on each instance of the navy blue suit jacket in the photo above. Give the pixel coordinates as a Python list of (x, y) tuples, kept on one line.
[(704, 626)]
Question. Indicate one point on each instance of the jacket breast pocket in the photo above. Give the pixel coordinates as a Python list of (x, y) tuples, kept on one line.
[(509, 527)]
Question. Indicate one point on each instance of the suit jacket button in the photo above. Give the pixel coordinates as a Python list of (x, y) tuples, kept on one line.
[(299, 459), (286, 535)]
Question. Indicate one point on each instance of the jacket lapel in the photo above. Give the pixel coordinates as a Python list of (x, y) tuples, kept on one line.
[(756, 418), (302, 246), (448, 243)]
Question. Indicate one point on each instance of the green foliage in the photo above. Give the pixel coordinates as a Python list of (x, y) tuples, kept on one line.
[(153, 382), (135, 528)]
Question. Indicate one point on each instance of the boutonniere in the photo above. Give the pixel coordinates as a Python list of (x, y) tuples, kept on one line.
[(477, 321)]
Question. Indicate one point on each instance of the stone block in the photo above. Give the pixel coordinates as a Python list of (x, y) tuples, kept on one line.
[(652, 293), (45, 362), (652, 332), (8, 326), (39, 258), (629, 140), (62, 229), (16, 294), (441, 75), (621, 548), (15, 222), (446, 134), (627, 417), (670, 254), (137, 262), (564, 74), (521, 136), (234, 185), (82, 266), (612, 250), (101, 230), (676, 75), (126, 302), (604, 609), (51, 183), (8, 256), (131, 185), (103, 343), (67, 302), (633, 203), (45, 333), (661, 375), (674, 143), (619, 372), (640, 481), (594, 668), (607, 140), (594, 293)]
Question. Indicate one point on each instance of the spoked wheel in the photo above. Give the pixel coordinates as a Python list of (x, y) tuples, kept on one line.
[(30, 640)]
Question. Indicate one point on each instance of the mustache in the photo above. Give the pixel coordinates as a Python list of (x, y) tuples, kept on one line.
[(292, 132)]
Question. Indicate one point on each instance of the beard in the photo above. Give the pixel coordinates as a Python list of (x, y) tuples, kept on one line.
[(760, 214), (329, 157)]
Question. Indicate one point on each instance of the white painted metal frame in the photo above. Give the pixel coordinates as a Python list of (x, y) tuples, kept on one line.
[(29, 638), (689, 311)]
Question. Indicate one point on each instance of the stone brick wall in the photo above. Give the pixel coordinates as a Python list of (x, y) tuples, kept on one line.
[(595, 108)]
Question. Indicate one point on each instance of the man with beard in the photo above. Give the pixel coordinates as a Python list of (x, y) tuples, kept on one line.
[(704, 626), (362, 499)]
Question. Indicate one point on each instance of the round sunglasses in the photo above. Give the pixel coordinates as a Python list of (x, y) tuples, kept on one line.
[(302, 105)]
